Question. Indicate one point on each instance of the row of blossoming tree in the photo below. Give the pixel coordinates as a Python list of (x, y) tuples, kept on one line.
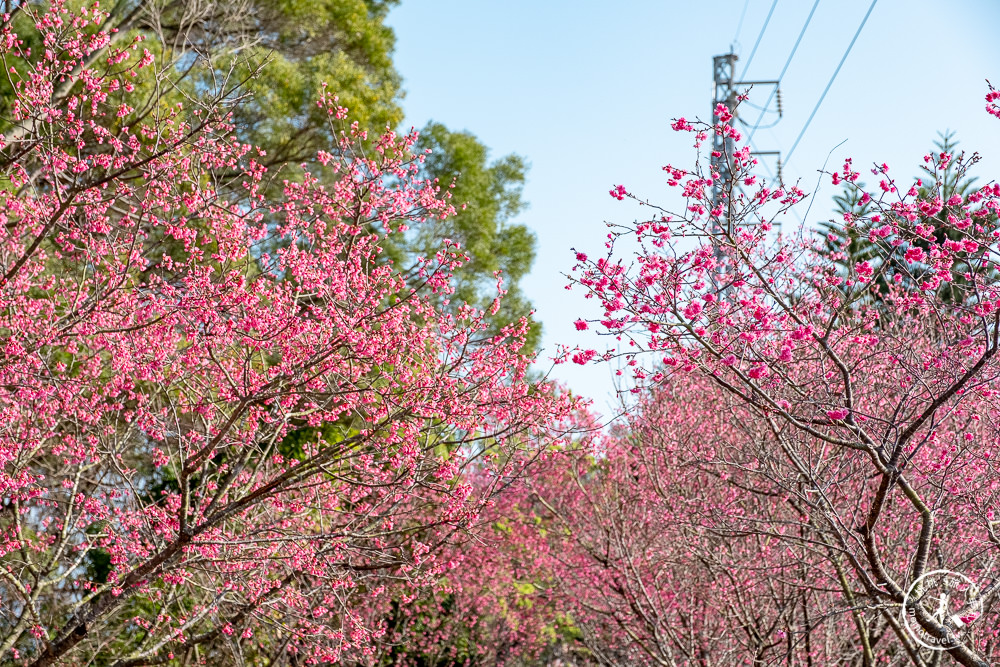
[(233, 431), (230, 430), (810, 473)]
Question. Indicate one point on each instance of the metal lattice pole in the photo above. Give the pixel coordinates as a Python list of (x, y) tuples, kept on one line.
[(725, 92), (722, 146)]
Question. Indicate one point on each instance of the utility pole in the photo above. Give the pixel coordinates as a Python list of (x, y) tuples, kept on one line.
[(725, 93), (724, 68)]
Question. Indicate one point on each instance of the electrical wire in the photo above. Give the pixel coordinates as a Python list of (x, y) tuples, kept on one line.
[(739, 26), (748, 103), (770, 173), (774, 123), (753, 51), (785, 68), (774, 179), (830, 83)]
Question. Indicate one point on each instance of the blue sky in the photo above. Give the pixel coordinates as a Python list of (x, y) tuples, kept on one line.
[(586, 90)]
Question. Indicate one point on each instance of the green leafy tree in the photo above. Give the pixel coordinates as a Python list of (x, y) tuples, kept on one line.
[(288, 50), (848, 248), (487, 197), (269, 61)]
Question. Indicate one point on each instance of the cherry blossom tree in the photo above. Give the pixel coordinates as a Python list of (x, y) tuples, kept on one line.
[(493, 607), (805, 451), (230, 431)]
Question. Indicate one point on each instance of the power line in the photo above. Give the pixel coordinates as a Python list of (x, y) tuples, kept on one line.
[(774, 123), (785, 68), (739, 26), (753, 51), (748, 103), (830, 83), (753, 148), (774, 179)]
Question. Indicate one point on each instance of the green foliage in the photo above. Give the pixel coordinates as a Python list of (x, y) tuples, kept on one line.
[(275, 57), (97, 561), (846, 247), (487, 196), (295, 48), (344, 44), (294, 445), (843, 244)]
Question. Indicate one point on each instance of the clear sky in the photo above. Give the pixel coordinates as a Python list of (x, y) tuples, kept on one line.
[(585, 90)]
